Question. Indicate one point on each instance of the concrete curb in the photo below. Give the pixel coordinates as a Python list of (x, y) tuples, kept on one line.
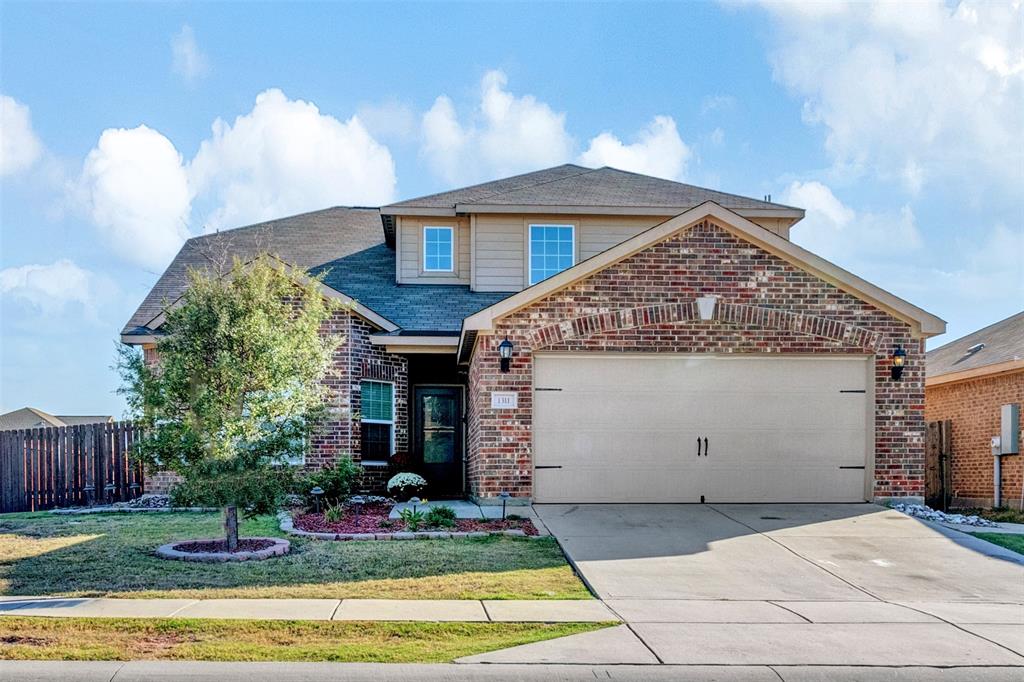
[(168, 551)]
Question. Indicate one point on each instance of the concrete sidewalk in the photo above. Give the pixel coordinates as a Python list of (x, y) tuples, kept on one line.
[(165, 671), (428, 610)]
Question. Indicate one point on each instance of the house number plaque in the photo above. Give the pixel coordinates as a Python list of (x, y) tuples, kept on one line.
[(504, 401)]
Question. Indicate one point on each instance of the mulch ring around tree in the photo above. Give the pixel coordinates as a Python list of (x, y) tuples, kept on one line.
[(214, 550), (207, 546), (374, 519)]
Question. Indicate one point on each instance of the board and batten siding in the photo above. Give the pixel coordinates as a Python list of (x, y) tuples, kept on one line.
[(409, 264), (500, 243)]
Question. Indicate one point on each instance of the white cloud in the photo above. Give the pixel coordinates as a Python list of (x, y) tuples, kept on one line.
[(909, 91), (837, 232), (19, 145), (188, 61), (282, 158), (49, 288), (658, 151), (972, 279), (504, 135), (134, 187), (389, 119), (286, 157)]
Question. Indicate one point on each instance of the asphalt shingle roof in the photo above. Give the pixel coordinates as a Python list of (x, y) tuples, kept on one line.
[(369, 277), (572, 185), (347, 243), (1004, 341)]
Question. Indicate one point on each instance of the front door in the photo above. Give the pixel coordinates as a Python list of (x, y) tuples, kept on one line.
[(439, 437)]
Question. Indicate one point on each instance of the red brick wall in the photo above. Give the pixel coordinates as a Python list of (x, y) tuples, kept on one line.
[(357, 359), (973, 406), (156, 482), (645, 304)]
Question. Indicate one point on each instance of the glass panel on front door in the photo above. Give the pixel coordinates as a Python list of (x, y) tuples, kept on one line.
[(440, 419)]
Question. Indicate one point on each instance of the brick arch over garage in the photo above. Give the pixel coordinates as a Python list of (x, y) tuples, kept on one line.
[(766, 305), (686, 311)]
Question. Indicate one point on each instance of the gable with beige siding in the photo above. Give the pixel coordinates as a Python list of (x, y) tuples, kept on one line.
[(501, 243), (492, 249), (409, 248)]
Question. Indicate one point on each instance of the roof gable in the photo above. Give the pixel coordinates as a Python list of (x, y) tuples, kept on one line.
[(923, 323), (304, 241)]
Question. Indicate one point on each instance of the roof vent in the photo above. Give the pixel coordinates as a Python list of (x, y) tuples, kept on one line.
[(975, 348)]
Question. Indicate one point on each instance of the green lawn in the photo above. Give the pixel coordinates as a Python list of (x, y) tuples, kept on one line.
[(1011, 542), (112, 555), (1002, 514), (243, 640)]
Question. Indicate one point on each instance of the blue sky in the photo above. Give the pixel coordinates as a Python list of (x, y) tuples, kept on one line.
[(129, 127)]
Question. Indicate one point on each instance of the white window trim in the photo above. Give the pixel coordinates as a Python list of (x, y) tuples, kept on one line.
[(529, 248), (391, 450), (451, 243)]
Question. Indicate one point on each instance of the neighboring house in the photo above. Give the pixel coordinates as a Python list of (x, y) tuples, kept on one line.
[(31, 418), (625, 381), (968, 381)]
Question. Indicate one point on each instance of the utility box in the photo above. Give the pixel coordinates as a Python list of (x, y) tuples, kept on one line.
[(1009, 436)]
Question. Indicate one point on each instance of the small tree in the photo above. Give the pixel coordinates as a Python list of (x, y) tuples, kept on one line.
[(237, 389)]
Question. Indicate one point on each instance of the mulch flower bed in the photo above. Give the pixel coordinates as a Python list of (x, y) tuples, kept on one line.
[(374, 519), (206, 546)]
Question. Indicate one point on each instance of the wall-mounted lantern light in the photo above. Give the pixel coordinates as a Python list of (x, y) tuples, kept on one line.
[(899, 361), (505, 351)]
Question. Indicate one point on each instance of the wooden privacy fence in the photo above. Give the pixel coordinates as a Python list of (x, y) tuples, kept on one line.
[(68, 466), (938, 452)]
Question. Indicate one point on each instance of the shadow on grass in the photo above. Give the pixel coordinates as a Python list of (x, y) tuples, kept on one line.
[(112, 555)]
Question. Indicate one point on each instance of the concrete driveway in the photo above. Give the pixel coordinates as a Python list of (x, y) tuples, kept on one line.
[(804, 584)]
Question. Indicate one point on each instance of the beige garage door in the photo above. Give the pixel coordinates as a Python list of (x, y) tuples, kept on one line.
[(672, 428)]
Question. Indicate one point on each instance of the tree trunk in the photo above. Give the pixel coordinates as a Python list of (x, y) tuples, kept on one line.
[(231, 527)]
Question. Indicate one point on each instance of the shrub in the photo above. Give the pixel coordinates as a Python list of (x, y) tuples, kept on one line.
[(413, 518), (338, 482), (441, 517), (334, 513), (405, 485)]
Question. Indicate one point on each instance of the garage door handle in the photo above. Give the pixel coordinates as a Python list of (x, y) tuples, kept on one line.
[(698, 446), (705, 447)]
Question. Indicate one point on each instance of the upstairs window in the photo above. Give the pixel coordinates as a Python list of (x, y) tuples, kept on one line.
[(552, 249), (438, 249), (377, 400)]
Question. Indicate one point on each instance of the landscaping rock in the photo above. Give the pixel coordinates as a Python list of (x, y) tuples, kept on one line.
[(147, 501), (921, 511)]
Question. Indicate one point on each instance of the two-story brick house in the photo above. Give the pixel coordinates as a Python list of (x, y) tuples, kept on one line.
[(664, 343)]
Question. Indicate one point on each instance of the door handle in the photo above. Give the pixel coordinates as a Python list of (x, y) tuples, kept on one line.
[(705, 447), (698, 446)]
